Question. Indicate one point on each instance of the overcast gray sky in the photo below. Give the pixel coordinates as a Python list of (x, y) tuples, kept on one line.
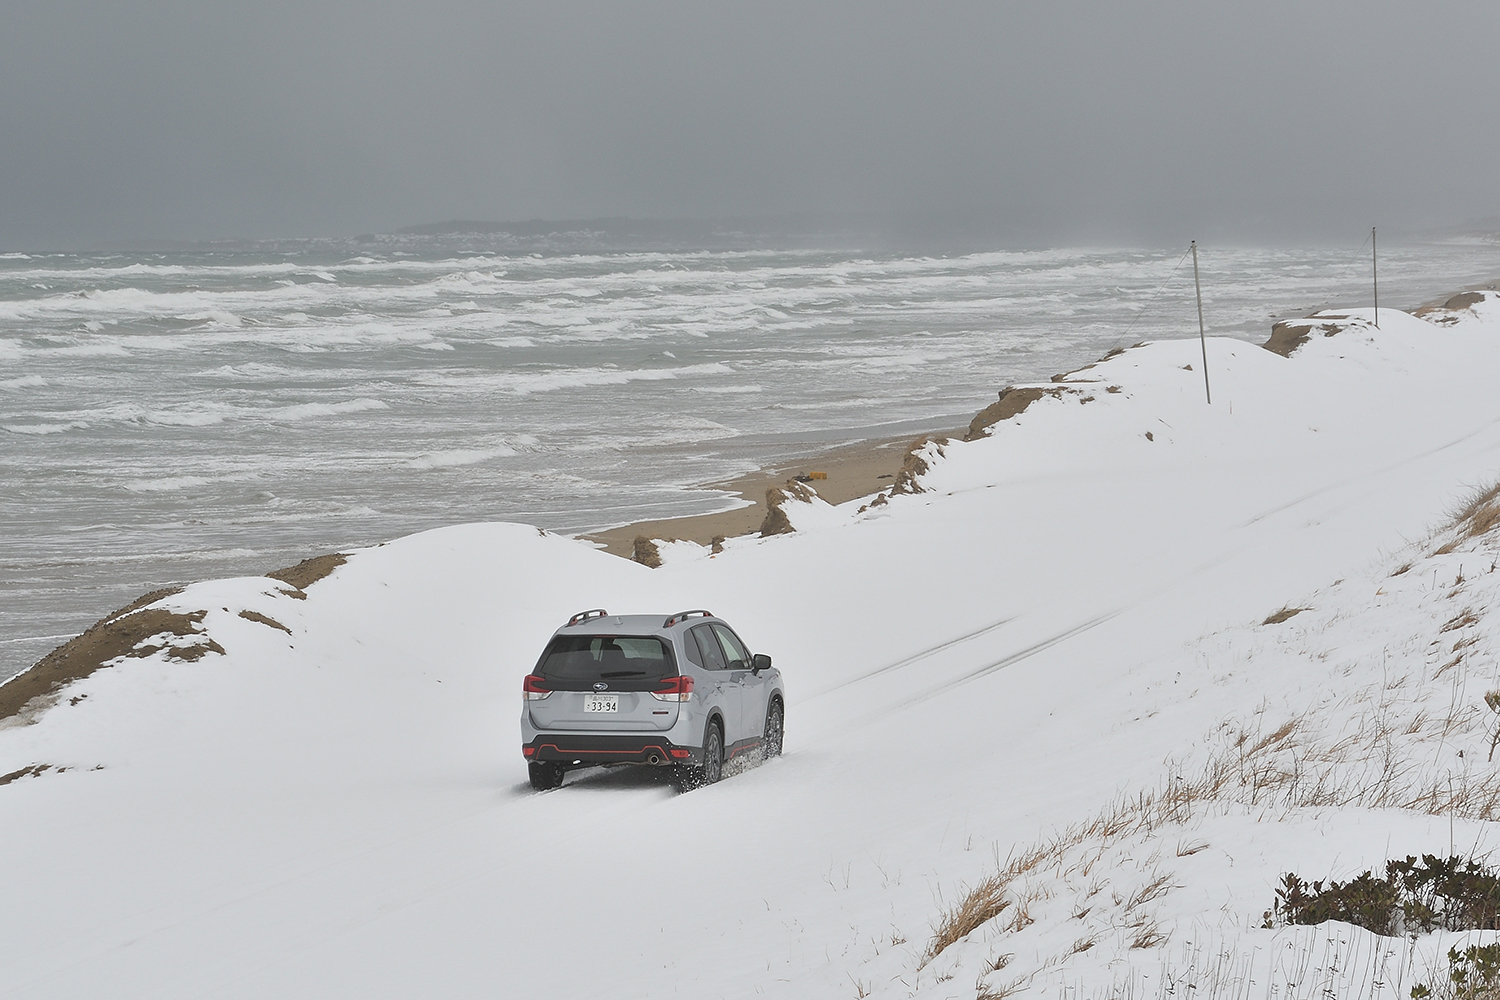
[(159, 119)]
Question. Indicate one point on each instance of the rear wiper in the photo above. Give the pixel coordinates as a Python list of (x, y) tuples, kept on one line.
[(622, 673)]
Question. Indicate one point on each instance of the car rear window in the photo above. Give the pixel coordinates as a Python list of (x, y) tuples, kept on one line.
[(606, 658)]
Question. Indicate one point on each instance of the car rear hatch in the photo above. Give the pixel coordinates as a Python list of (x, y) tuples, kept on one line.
[(606, 683)]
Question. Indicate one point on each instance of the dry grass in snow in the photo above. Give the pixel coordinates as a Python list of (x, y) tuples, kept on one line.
[(1387, 698)]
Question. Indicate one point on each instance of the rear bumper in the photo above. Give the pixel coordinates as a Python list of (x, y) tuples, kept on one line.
[(598, 748)]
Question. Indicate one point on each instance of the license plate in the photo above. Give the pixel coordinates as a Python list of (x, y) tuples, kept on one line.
[(601, 703)]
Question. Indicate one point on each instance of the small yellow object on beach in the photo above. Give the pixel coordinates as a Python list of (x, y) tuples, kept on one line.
[(817, 475)]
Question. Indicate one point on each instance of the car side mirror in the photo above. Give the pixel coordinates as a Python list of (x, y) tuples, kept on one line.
[(759, 662)]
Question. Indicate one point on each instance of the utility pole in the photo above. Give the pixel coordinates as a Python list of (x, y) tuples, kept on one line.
[(1202, 340), (1375, 277)]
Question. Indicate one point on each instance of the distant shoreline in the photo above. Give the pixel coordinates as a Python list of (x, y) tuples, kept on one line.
[(853, 471)]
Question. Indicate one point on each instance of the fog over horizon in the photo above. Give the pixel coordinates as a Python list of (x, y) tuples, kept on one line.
[(975, 124)]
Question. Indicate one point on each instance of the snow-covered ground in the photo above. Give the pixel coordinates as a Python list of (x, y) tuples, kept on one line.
[(1048, 672)]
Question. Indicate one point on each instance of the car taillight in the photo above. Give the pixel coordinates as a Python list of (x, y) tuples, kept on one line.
[(534, 688), (674, 689)]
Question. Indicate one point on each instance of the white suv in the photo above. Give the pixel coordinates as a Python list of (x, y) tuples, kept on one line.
[(681, 692)]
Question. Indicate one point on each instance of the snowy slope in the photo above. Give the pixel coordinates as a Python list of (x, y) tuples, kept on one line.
[(1068, 618)]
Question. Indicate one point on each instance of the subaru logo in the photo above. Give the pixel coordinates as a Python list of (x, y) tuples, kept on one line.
[(601, 686)]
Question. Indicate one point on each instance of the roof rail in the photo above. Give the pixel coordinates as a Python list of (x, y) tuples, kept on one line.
[(584, 616), (682, 615)]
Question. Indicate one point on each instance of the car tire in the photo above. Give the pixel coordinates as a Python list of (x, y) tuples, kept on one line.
[(545, 774), (775, 729), (712, 768)]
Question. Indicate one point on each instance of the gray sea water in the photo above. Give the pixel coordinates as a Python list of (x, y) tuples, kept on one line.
[(166, 417)]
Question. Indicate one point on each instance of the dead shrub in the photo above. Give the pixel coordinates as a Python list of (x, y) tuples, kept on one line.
[(978, 907), (1287, 611), (1148, 935), (983, 991), (1463, 619), (1477, 514)]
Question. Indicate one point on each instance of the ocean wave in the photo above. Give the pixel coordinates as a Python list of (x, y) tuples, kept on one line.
[(44, 428), (251, 369), (24, 382), (459, 456), (166, 484), (213, 318), (580, 378), (101, 350), (302, 411), (188, 417)]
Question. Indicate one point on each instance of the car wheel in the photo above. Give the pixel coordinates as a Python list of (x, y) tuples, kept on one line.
[(545, 774), (713, 756), (712, 768), (775, 729)]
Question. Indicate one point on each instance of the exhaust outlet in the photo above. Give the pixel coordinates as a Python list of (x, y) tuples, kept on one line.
[(653, 759)]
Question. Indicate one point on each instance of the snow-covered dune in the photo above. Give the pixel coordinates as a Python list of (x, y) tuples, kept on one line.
[(1054, 654)]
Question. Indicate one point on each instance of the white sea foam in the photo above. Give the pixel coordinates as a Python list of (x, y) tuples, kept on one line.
[(577, 378), (302, 411), (95, 350), (213, 317), (44, 428), (459, 456), (252, 369), (166, 484), (202, 417)]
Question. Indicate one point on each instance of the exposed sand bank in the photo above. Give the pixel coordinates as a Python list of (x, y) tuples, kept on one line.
[(125, 633), (855, 470)]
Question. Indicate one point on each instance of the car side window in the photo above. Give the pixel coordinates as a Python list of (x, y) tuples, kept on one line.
[(734, 650), (690, 650), (708, 648)]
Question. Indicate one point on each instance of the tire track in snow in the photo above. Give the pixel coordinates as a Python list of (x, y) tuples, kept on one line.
[(971, 674), (1373, 473), (919, 655), (1012, 659)]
